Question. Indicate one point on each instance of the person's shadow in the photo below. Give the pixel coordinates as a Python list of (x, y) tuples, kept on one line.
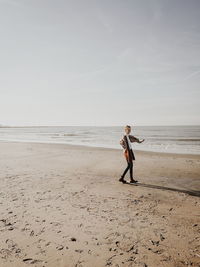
[(189, 192)]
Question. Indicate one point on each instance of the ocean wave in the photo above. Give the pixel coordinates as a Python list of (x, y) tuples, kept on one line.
[(184, 139), (175, 139), (88, 132), (71, 134)]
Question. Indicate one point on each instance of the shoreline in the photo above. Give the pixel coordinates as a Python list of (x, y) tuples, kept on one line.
[(169, 154)]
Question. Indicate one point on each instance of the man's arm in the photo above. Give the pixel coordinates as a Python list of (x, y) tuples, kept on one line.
[(135, 139), (122, 143)]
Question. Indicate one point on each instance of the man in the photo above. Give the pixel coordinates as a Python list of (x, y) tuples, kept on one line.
[(125, 142)]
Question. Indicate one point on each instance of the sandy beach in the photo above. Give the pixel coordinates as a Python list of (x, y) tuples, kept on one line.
[(62, 206)]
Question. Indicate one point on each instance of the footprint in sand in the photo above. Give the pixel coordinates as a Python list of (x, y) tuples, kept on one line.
[(60, 247), (31, 261)]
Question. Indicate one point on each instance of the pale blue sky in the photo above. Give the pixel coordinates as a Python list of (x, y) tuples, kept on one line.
[(105, 62)]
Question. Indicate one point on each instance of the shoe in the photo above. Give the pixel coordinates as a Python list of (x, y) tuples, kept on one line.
[(122, 180), (133, 181)]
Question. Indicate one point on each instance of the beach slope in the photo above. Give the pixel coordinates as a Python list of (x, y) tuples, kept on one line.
[(62, 205)]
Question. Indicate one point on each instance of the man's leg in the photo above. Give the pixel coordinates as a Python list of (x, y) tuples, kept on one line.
[(124, 173), (131, 173), (131, 170)]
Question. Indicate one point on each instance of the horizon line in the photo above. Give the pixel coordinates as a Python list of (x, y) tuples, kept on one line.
[(141, 125)]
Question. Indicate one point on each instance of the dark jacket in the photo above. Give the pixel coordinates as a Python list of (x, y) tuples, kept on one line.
[(132, 139), (128, 153)]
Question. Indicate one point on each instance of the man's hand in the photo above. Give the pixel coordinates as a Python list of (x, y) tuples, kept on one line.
[(141, 141)]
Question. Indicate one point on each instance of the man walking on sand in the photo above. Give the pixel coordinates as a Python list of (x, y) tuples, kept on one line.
[(125, 142)]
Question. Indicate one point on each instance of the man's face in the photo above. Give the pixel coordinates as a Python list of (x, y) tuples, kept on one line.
[(127, 130)]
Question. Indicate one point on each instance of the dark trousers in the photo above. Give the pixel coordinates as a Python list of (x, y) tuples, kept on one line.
[(130, 168)]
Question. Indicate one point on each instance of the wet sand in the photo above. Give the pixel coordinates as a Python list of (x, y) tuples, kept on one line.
[(62, 205)]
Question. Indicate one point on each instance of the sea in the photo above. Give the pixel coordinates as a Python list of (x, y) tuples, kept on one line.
[(168, 139)]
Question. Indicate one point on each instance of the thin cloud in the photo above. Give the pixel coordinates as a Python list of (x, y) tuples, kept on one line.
[(192, 75)]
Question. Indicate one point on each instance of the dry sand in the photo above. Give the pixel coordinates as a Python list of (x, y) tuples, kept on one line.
[(62, 205)]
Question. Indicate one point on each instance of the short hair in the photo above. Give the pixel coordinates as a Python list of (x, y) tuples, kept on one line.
[(128, 126)]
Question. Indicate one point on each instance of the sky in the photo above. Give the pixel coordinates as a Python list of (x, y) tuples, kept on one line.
[(99, 62)]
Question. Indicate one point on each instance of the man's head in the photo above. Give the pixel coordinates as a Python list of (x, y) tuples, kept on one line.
[(127, 129)]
